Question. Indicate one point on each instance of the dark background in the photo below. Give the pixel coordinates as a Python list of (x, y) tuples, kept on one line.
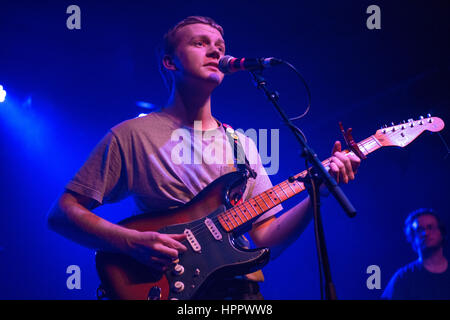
[(66, 88)]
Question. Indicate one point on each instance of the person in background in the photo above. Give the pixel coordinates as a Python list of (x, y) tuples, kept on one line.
[(428, 277)]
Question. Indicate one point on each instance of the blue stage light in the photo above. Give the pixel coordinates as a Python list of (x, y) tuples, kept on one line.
[(146, 105), (2, 94)]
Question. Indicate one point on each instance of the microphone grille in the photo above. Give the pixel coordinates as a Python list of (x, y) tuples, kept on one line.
[(223, 63)]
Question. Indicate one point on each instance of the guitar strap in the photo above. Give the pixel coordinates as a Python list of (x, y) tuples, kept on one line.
[(240, 160), (241, 164)]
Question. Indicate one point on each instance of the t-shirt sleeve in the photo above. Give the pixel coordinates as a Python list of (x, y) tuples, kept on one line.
[(396, 288), (102, 177)]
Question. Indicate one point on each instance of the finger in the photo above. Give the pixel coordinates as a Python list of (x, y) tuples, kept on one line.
[(355, 161), (334, 171), (164, 251), (347, 163), (342, 172), (173, 240), (337, 147)]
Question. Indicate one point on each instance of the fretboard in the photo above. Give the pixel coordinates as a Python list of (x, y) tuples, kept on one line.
[(249, 210)]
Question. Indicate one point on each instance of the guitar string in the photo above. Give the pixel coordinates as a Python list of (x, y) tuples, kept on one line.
[(200, 227), (232, 217)]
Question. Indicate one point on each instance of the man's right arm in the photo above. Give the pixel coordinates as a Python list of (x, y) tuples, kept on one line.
[(71, 217)]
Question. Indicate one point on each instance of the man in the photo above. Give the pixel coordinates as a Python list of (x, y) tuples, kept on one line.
[(429, 276), (135, 158)]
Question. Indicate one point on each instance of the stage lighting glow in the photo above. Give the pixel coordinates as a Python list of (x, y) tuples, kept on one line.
[(146, 105), (2, 94)]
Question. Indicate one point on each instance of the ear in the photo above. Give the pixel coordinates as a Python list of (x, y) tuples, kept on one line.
[(168, 63)]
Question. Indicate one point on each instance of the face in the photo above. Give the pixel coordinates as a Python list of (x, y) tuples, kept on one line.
[(426, 232), (199, 48)]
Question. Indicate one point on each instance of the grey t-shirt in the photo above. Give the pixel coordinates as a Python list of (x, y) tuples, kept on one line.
[(162, 165)]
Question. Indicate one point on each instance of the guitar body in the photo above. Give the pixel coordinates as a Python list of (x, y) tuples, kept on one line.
[(212, 252)]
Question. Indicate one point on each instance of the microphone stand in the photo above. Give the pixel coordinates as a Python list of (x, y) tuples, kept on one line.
[(320, 174)]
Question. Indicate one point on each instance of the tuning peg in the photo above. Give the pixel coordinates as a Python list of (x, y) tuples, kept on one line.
[(430, 120), (421, 120), (411, 122), (393, 126)]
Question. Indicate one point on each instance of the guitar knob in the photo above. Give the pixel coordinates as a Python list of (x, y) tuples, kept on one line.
[(178, 286), (178, 270)]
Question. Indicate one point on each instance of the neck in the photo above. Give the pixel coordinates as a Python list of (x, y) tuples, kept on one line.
[(433, 260), (188, 103)]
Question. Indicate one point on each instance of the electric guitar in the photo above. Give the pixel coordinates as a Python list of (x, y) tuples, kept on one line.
[(211, 223)]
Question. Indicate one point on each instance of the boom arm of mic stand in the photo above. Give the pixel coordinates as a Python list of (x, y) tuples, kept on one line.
[(308, 153)]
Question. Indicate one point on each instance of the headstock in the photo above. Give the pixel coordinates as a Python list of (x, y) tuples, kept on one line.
[(404, 133)]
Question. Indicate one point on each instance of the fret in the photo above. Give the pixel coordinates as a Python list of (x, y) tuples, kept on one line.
[(363, 148), (242, 213), (226, 217), (230, 216), (248, 211), (370, 144), (285, 189), (236, 213), (291, 187), (260, 196), (256, 212), (222, 221), (295, 184), (277, 194), (287, 197), (259, 204), (268, 194)]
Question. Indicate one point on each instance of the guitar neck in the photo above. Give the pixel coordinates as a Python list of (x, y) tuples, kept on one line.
[(249, 210)]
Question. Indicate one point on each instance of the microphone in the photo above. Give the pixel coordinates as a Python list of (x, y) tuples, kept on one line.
[(229, 64)]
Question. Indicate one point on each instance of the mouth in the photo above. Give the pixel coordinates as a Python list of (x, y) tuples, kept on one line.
[(212, 64)]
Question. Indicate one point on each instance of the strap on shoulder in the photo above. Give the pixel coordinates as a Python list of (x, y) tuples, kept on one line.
[(240, 160)]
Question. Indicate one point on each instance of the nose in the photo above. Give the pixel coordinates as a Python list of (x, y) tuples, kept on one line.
[(213, 52)]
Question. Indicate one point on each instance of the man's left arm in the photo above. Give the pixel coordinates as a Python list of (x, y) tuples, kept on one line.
[(279, 232)]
